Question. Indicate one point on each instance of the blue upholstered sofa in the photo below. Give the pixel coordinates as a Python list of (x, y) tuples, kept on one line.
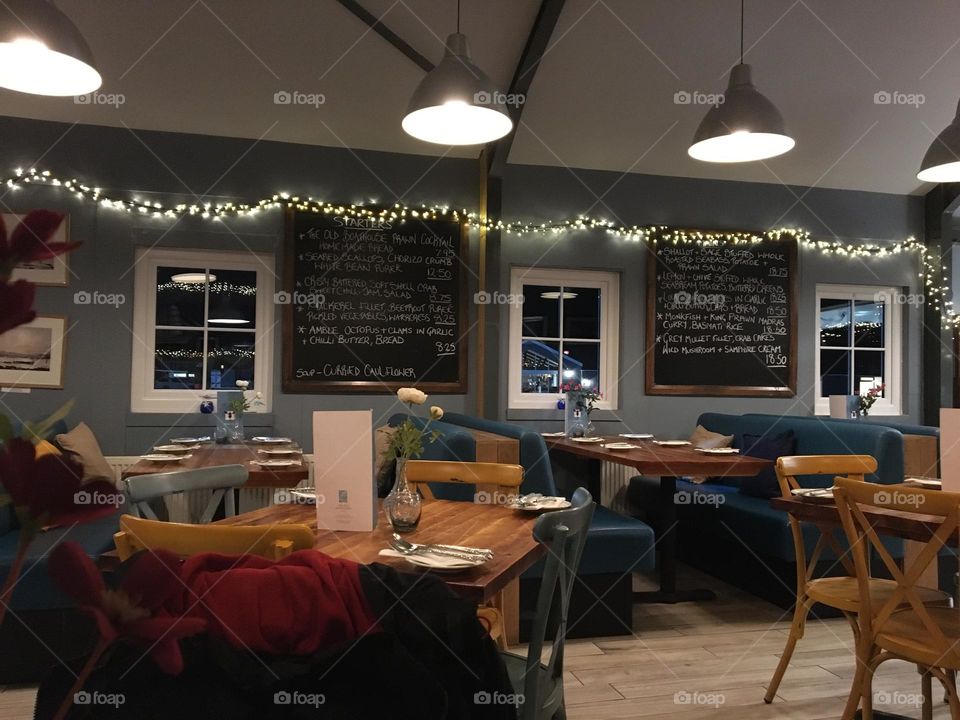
[(743, 539), (616, 546)]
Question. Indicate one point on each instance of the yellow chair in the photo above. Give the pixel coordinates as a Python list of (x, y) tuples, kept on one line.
[(837, 592), (488, 477), (270, 541), (500, 478), (901, 625)]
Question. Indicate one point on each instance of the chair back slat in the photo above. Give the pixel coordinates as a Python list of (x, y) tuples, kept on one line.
[(269, 541), (503, 478), (941, 508), (222, 480), (563, 533)]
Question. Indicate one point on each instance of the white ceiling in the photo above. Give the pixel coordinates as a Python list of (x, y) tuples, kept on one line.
[(603, 97)]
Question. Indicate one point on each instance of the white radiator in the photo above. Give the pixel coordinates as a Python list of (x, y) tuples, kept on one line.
[(187, 507), (614, 479)]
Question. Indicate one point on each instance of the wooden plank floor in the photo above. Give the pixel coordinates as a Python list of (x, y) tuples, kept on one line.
[(700, 660)]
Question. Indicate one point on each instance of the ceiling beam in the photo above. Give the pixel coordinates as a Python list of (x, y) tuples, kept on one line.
[(537, 43), (375, 24)]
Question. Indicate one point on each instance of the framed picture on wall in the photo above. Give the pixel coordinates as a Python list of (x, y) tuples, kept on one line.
[(53, 272), (32, 355)]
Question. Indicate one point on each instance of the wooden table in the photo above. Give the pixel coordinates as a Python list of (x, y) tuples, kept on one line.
[(667, 463), (509, 533), (213, 455)]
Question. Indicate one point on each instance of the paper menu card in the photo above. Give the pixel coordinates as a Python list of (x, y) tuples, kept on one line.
[(343, 470), (950, 448)]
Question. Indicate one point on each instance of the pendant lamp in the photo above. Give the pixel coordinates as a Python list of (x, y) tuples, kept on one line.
[(746, 126)]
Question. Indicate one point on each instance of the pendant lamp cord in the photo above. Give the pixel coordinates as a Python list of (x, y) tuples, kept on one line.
[(458, 15), (741, 30)]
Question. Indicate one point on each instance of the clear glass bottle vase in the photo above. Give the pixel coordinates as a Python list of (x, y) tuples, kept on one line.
[(402, 506)]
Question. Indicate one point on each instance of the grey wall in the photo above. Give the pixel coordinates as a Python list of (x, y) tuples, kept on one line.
[(99, 344), (645, 200)]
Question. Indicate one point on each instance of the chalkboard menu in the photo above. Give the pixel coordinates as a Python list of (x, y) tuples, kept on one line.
[(722, 319), (373, 304)]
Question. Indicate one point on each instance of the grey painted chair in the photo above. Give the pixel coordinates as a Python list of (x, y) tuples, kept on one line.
[(142, 489), (563, 533)]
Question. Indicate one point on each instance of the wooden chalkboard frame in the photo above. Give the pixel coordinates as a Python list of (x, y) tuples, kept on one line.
[(291, 384), (790, 390)]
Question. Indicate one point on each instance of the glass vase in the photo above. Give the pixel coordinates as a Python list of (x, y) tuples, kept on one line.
[(402, 506)]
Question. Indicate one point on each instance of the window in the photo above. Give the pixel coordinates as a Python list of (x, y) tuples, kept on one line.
[(858, 344), (202, 321), (565, 330)]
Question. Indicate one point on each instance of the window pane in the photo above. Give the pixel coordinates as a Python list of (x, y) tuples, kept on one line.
[(178, 360), (541, 311), (835, 323), (834, 372), (180, 296), (233, 298), (229, 358), (540, 369), (867, 370), (581, 364), (581, 312), (868, 330)]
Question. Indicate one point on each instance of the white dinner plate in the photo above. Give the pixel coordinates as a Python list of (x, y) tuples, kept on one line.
[(265, 440), (924, 483), (190, 440), (161, 457), (559, 433), (276, 463), (588, 439), (305, 494), (174, 448), (620, 446), (279, 451), (718, 451), (822, 494), (637, 436), (543, 505), (672, 443)]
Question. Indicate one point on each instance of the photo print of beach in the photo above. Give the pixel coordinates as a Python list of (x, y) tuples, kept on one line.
[(32, 355), (51, 272)]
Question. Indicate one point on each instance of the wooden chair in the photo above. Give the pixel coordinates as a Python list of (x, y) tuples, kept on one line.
[(563, 533), (142, 489), (841, 593), (499, 478), (901, 624), (488, 477), (270, 541)]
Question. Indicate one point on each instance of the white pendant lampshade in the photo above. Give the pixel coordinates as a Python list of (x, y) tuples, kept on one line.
[(941, 163), (456, 104), (746, 126), (42, 51)]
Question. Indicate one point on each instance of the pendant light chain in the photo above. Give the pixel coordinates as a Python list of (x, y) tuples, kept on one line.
[(458, 16), (741, 32)]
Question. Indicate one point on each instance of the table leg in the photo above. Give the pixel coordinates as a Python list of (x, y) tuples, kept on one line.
[(510, 608), (667, 561)]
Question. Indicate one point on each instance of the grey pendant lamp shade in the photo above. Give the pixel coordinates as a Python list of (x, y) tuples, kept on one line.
[(941, 163), (456, 104), (745, 126), (43, 52)]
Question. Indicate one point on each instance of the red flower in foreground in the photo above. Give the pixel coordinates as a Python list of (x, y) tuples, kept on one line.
[(16, 304), (49, 490), (30, 239), (127, 612)]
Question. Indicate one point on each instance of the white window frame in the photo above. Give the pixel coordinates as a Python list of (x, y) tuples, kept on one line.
[(891, 404), (609, 285), (143, 396)]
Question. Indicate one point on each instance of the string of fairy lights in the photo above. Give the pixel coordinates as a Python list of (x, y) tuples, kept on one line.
[(931, 272)]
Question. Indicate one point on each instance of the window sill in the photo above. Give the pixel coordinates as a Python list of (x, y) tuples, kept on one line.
[(599, 415)]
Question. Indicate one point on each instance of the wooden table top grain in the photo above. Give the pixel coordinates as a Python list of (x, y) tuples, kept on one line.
[(663, 460), (507, 532), (214, 455)]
